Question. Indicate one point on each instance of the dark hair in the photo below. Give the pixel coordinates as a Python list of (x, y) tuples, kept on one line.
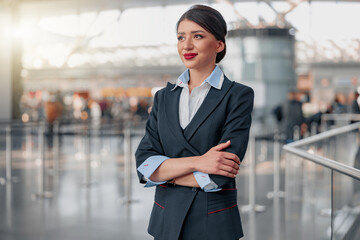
[(209, 19)]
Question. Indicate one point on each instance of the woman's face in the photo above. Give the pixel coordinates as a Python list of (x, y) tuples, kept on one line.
[(197, 47)]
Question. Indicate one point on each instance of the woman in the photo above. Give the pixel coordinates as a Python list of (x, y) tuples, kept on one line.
[(196, 136)]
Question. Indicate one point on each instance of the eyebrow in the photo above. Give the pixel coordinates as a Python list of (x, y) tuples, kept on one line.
[(197, 31)]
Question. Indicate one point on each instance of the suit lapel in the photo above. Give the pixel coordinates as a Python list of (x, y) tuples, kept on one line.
[(172, 115), (211, 101)]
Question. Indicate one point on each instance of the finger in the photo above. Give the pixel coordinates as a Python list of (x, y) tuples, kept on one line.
[(226, 174), (232, 157), (222, 146), (229, 169), (231, 163)]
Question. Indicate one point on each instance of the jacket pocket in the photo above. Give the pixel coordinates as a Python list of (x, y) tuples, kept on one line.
[(222, 200), (223, 215), (156, 222)]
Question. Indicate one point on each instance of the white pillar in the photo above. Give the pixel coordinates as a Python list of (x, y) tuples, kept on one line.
[(5, 63)]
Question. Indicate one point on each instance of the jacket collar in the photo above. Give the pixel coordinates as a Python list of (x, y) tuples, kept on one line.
[(215, 79)]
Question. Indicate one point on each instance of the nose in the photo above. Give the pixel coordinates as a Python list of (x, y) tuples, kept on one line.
[(188, 44)]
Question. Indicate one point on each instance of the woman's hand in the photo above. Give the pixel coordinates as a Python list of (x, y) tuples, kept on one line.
[(218, 162), (215, 161)]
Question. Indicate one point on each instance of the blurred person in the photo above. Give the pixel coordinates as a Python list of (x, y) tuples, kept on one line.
[(133, 103), (103, 103), (289, 115), (293, 116), (278, 114), (53, 109), (196, 137), (338, 105), (355, 105), (142, 109)]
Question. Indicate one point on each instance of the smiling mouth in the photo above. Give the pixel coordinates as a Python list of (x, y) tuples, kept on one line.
[(190, 55)]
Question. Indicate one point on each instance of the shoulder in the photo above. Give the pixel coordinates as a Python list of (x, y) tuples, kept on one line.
[(239, 89), (239, 99), (161, 93)]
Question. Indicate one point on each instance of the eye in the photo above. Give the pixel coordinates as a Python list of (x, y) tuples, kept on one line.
[(198, 36), (180, 38)]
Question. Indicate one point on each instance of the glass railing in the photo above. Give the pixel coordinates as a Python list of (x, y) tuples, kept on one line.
[(322, 185)]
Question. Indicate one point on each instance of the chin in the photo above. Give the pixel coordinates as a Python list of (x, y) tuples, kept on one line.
[(189, 65)]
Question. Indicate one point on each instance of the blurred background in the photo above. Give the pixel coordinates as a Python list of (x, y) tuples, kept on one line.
[(77, 80)]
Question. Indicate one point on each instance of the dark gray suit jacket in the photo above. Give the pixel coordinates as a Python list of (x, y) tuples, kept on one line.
[(224, 115)]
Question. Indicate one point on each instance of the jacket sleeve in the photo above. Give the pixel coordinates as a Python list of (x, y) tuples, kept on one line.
[(150, 144), (236, 127)]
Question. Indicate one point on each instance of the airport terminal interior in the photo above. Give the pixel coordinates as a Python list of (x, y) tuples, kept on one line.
[(77, 84)]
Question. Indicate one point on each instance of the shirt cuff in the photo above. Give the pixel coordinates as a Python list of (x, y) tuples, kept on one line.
[(148, 167), (205, 182)]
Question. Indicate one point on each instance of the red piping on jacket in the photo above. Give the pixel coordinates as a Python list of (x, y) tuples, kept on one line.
[(159, 205), (163, 185), (222, 209)]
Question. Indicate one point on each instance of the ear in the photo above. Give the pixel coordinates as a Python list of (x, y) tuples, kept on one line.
[(220, 46)]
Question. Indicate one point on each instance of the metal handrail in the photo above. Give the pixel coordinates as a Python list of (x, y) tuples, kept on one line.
[(324, 135), (326, 162)]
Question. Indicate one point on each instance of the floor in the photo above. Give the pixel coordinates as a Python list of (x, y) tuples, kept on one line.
[(93, 197)]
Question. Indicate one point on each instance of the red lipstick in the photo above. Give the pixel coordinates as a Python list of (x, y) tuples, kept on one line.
[(190, 55)]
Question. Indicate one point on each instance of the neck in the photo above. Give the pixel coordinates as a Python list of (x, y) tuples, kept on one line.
[(197, 76)]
